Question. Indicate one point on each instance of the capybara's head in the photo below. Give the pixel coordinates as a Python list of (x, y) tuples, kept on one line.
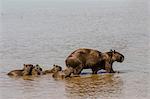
[(37, 70), (116, 56), (37, 67), (56, 68), (27, 69)]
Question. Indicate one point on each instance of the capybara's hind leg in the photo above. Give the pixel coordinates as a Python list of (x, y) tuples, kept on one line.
[(94, 70), (78, 69)]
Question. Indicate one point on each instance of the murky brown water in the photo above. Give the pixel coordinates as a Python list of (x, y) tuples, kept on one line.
[(45, 32)]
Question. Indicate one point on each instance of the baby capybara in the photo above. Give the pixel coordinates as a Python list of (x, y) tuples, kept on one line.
[(23, 72), (54, 69), (37, 70)]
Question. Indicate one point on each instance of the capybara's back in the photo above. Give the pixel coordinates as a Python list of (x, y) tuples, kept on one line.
[(27, 68), (16, 73), (84, 56)]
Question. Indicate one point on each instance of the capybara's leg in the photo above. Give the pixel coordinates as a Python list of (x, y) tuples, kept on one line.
[(112, 71), (78, 69), (94, 70), (108, 68)]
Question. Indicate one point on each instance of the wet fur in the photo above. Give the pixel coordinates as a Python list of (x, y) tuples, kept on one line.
[(88, 58), (37, 70), (23, 72), (60, 74)]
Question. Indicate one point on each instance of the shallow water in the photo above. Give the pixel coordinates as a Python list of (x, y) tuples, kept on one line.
[(46, 31)]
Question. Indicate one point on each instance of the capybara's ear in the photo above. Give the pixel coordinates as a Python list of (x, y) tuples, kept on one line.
[(111, 50), (114, 51), (24, 65)]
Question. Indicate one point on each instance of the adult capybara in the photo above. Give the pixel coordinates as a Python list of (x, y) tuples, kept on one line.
[(85, 58), (37, 70), (23, 72)]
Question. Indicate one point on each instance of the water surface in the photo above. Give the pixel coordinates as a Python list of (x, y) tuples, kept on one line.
[(45, 32)]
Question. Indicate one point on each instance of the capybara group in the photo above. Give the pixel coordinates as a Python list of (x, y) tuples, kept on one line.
[(78, 60), (28, 69)]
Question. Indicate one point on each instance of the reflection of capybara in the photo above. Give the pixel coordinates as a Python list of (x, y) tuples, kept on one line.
[(88, 58), (108, 86), (37, 70), (23, 72)]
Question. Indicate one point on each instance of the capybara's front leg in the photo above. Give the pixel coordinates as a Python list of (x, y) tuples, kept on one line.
[(108, 68), (112, 71)]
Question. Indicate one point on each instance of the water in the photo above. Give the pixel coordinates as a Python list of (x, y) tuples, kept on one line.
[(46, 31)]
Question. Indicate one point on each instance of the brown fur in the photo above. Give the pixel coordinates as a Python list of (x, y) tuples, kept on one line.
[(109, 58), (61, 74), (58, 75), (15, 73), (84, 58), (37, 70), (23, 72), (54, 69)]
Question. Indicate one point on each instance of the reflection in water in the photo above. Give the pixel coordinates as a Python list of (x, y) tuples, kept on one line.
[(95, 86)]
